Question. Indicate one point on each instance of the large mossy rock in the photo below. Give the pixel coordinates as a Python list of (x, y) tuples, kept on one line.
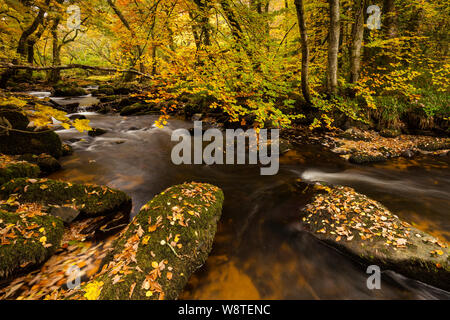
[(160, 249), (15, 117), (139, 109), (365, 229), (91, 201), (46, 163), (33, 142), (11, 168), (24, 140), (27, 238), (104, 90), (68, 91)]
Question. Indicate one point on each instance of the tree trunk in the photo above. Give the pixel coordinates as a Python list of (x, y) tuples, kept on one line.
[(204, 36), (333, 48), (357, 40), (55, 75), (124, 21), (390, 19), (305, 49), (22, 45)]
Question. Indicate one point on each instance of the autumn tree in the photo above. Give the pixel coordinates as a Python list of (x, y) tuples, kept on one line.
[(333, 46), (300, 8)]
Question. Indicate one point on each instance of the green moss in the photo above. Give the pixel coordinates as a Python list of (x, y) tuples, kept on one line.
[(435, 145), (69, 91), (89, 200), (165, 243), (46, 163), (19, 169), (24, 245), (33, 142), (362, 158), (138, 109), (104, 90), (14, 115)]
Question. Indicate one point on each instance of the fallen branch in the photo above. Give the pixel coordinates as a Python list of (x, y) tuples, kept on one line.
[(73, 66)]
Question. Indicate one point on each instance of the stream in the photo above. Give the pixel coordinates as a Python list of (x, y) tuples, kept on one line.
[(260, 250)]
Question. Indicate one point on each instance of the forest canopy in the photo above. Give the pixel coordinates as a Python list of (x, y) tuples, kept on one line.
[(262, 62)]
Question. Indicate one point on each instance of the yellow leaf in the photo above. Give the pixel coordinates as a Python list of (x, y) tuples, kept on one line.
[(82, 125), (93, 290), (65, 125), (145, 240)]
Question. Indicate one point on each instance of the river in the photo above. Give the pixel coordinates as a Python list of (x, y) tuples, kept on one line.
[(260, 250)]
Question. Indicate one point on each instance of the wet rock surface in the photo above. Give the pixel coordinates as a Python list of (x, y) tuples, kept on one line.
[(165, 243), (369, 232)]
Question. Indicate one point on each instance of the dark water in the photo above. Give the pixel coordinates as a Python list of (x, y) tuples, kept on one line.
[(260, 251)]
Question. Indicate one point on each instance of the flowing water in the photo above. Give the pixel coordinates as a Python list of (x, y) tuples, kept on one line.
[(260, 250)]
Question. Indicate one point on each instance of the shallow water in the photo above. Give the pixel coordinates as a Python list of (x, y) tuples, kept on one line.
[(260, 251)]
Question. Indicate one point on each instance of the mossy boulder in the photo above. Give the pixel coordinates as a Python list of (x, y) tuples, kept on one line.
[(104, 90), (27, 238), (435, 145), (15, 117), (11, 168), (139, 109), (364, 157), (91, 201), (68, 91), (104, 99), (46, 162), (31, 142), (366, 230), (165, 243), (125, 89)]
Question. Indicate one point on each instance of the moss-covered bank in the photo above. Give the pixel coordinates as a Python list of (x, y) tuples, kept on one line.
[(164, 244), (11, 168), (91, 201), (365, 229), (27, 238)]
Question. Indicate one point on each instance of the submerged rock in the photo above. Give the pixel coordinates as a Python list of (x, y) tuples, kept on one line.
[(27, 238), (96, 132), (11, 168), (67, 150), (91, 201), (365, 229), (165, 243)]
